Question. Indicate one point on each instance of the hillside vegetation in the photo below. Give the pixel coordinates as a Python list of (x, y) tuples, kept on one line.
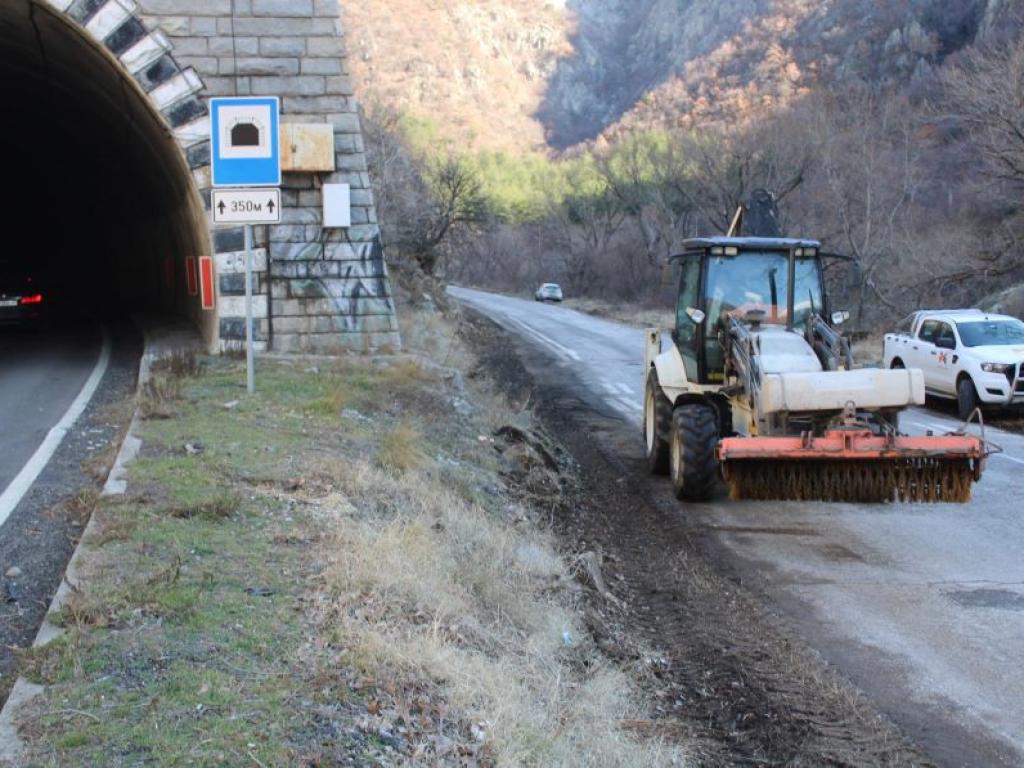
[(479, 68), (890, 130), (517, 75)]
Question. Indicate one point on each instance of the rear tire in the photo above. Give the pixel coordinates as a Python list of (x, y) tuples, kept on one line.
[(657, 425), (966, 398), (693, 462), (897, 365)]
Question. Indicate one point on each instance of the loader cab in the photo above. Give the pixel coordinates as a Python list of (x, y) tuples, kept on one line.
[(747, 278)]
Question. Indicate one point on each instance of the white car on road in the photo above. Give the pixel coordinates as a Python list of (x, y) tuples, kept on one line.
[(965, 354), (548, 292)]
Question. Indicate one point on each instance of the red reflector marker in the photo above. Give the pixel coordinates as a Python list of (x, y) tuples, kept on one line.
[(35, 298), (208, 300)]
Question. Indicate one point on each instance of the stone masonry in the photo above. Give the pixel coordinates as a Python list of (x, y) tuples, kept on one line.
[(316, 289)]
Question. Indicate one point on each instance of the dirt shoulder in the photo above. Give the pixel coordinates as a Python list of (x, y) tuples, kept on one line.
[(725, 673)]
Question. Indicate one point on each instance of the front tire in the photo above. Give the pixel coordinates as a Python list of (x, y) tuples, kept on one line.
[(966, 398), (692, 461), (657, 425)]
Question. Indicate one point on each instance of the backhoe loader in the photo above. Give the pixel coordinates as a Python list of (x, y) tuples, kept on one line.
[(759, 388)]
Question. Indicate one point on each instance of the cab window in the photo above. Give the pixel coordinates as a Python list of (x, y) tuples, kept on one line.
[(756, 282), (928, 329), (944, 333), (687, 331)]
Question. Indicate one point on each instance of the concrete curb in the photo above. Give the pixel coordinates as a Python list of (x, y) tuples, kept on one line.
[(157, 342)]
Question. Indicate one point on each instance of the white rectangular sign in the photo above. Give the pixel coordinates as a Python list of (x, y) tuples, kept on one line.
[(337, 205), (247, 206)]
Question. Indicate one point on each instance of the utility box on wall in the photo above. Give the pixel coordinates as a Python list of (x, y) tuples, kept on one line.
[(307, 147), (337, 205)]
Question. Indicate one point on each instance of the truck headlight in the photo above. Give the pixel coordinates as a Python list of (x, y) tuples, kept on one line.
[(995, 367)]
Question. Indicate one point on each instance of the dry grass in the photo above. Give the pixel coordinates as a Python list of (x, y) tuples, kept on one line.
[(422, 583), (338, 397), (163, 388), (399, 448), (627, 314), (440, 589)]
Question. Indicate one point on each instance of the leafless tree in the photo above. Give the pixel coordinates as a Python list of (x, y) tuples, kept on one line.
[(871, 171), (729, 163), (456, 201), (649, 178), (586, 224), (986, 94)]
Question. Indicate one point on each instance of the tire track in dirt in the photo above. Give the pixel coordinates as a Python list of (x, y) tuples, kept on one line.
[(725, 675)]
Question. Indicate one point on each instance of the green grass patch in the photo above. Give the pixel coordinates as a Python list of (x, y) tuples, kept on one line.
[(186, 647)]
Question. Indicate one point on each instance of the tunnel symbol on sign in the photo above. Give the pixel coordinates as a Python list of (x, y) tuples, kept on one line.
[(245, 135), (245, 131)]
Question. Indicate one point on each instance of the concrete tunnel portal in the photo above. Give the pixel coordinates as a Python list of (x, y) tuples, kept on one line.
[(99, 200)]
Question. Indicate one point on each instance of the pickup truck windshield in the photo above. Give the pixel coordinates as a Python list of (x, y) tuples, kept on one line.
[(752, 281), (991, 333)]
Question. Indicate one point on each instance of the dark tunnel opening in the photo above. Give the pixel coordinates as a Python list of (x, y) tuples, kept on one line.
[(99, 206)]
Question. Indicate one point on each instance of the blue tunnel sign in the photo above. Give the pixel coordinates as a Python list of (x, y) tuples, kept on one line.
[(245, 148)]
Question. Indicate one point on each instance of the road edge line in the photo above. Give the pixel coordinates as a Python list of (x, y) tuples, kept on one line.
[(37, 462)]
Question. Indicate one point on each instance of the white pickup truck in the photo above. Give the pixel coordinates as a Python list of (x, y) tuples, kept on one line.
[(965, 354)]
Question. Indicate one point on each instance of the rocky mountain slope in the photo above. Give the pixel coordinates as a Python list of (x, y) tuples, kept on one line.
[(478, 68), (525, 73)]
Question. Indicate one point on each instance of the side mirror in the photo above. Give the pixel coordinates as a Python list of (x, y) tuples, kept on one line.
[(840, 317), (696, 315)]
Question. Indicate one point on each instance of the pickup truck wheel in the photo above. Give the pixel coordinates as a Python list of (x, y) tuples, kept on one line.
[(966, 398), (897, 365), (657, 425), (693, 463)]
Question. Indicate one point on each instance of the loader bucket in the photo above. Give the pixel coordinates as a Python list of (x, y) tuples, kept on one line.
[(852, 465)]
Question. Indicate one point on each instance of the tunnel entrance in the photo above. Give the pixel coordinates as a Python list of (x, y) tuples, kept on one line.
[(98, 199)]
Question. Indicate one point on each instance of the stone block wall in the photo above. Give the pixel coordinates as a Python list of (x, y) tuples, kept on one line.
[(319, 290)]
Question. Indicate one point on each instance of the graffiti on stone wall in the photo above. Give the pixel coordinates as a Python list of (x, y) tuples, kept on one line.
[(348, 295)]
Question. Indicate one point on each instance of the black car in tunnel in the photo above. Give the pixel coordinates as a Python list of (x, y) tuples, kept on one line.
[(23, 302)]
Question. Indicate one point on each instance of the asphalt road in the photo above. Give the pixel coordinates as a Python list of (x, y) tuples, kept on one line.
[(41, 374), (43, 406), (921, 606)]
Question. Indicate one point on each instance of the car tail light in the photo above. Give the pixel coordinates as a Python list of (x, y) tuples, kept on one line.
[(35, 298)]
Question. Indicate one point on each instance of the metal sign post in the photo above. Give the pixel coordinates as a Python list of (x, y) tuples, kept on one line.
[(250, 368), (246, 154)]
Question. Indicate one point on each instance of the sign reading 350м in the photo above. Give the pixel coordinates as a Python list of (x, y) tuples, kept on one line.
[(245, 144)]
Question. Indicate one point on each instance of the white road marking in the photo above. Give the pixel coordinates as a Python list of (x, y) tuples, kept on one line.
[(629, 405), (1010, 458), (21, 483), (548, 341)]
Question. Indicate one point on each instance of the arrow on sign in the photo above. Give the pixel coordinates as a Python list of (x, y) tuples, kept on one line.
[(271, 206), (220, 207)]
